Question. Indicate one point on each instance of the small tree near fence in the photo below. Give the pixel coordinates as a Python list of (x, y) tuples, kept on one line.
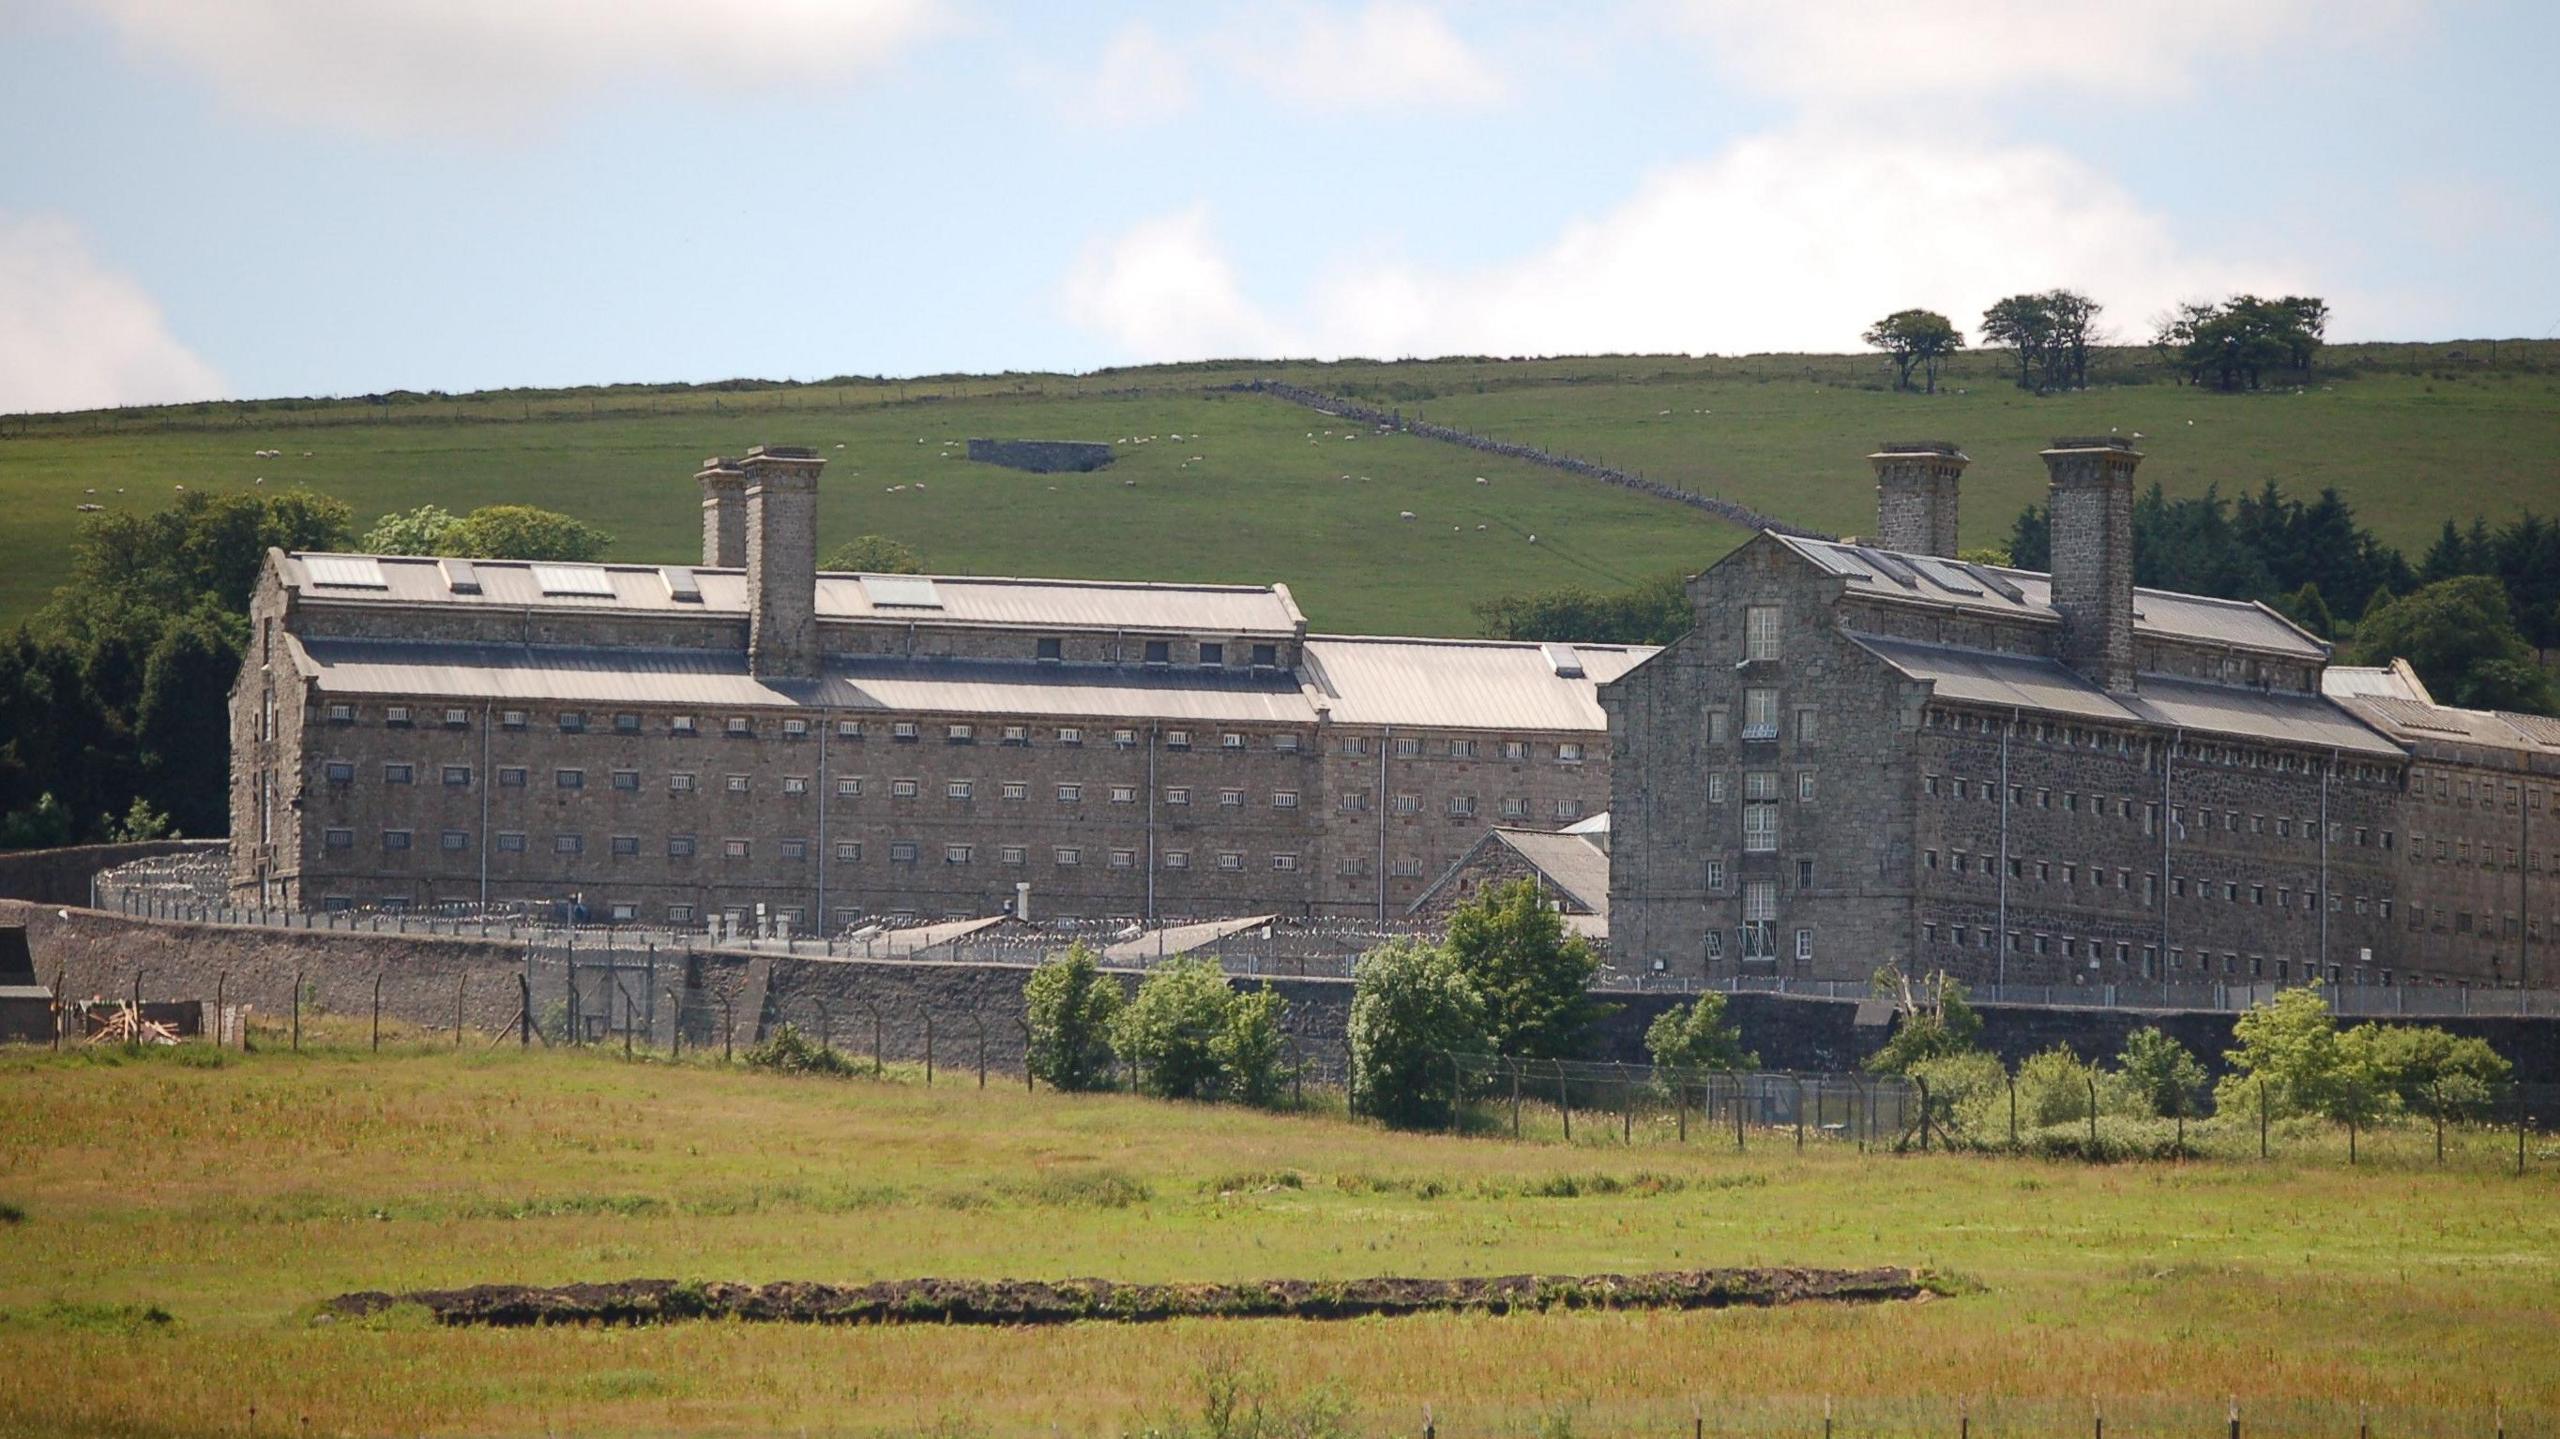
[(1069, 1004), (1411, 1008)]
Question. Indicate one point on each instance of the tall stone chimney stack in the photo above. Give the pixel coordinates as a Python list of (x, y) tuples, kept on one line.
[(724, 514), (2091, 507), (782, 561), (1916, 495)]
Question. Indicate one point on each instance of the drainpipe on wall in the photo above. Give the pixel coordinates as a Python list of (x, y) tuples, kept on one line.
[(2524, 887), (486, 781), (826, 722), (1151, 824), (1385, 738), (2327, 772), (2000, 942), (2168, 757)]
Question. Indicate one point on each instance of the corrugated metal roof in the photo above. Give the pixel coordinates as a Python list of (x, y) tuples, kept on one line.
[(1265, 610), (718, 679), (2030, 682), (2422, 722), (2027, 594), (1176, 939), (2392, 681), (1461, 684), (1571, 863)]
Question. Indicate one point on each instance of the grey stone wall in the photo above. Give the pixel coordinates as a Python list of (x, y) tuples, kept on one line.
[(61, 876), (1042, 457)]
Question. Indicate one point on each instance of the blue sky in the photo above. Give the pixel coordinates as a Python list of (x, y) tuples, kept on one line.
[(260, 197)]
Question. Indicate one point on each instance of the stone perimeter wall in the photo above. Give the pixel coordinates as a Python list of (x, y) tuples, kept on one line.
[(99, 953), (61, 876)]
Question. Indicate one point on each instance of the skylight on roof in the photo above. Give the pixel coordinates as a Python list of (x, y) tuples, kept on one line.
[(573, 580), (681, 585), (1564, 660), (914, 592), (347, 572), (1945, 576), (460, 577)]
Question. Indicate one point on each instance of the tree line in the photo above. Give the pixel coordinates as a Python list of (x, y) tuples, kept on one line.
[(113, 721), (2231, 345)]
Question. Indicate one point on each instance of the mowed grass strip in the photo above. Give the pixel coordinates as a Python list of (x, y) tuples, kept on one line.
[(233, 1198)]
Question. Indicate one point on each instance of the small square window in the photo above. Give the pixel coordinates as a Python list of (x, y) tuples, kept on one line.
[(1231, 740), (733, 849), (848, 729), (737, 784), (1070, 734), (1071, 794), (1014, 854), (680, 784), (903, 731), (625, 846), (457, 776), (1177, 739), (1177, 859), (1177, 794), (848, 786), (626, 724), (457, 719), (339, 771), (395, 839), (1124, 859), (396, 716), (1285, 863), (958, 853), (683, 725), (960, 789), (1231, 799), (568, 844), (1016, 789), (1265, 656), (399, 773), (960, 734), (512, 719), (1284, 799), (569, 778), (741, 726), (1232, 861), (903, 789), (572, 722), (795, 784), (1124, 794), (337, 839), (627, 780), (1049, 648), (1067, 854), (455, 840), (848, 852), (1015, 734), (1212, 654), (342, 714), (795, 849), (680, 846), (511, 842), (1159, 652)]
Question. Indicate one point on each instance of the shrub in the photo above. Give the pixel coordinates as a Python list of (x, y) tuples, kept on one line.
[(1936, 1022), (788, 1051), (1069, 1006), (1697, 1036), (2428, 1070), (2056, 1087), (1968, 1094), (2160, 1074), (2289, 1045), (1411, 1007), (1170, 1032), (1251, 1050)]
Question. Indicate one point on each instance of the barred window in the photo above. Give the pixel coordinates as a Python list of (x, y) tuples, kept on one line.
[(511, 842), (455, 840), (626, 845), (457, 776), (395, 839), (680, 846)]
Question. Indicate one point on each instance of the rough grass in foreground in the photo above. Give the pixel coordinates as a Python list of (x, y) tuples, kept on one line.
[(230, 1198)]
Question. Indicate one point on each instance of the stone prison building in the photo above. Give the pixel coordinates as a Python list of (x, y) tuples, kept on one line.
[(749, 740), (1877, 752)]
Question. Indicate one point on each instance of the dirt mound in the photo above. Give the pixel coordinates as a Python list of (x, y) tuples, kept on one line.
[(1018, 1301)]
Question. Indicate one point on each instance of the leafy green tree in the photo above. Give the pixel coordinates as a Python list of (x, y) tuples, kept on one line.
[(142, 822), (1921, 339), (1412, 1006), (2429, 1070), (44, 824), (2024, 326), (522, 532), (426, 530), (1069, 1005), (2161, 1073), (1534, 977), (2306, 608), (1171, 1031), (2235, 344), (2290, 1046), (1698, 1036), (873, 555), (181, 725), (1655, 612), (1252, 1048), (202, 545), (2460, 637)]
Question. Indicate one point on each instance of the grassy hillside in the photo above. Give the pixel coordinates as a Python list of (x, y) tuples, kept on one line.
[(234, 1197), (2412, 434)]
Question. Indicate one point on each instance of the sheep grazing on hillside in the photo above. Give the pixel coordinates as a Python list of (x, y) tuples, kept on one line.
[(1404, 514)]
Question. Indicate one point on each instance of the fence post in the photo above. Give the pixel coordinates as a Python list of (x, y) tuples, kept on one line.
[(675, 1024), (1737, 1112), (134, 1040), (1564, 1106), (2519, 1131), (981, 1023), (928, 1049), (377, 1011), (2013, 1111), (457, 1007), (826, 1029), (728, 1027), (1799, 1080), (878, 1066), (297, 1011), (2262, 1153), (1514, 1067), (524, 1011), (1924, 1113), (220, 981), (1680, 1102), (1457, 1085), (2092, 1081)]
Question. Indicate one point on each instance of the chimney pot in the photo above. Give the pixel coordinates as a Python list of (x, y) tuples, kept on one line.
[(724, 514), (1916, 495), (781, 489), (2090, 504)]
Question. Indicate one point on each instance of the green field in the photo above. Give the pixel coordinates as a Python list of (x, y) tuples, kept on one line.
[(235, 1197), (2412, 434)]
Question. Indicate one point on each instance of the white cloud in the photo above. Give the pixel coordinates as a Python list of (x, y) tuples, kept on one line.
[(402, 66), (1141, 79), (1386, 55), (75, 335), (1163, 290), (1789, 241), (1888, 53)]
